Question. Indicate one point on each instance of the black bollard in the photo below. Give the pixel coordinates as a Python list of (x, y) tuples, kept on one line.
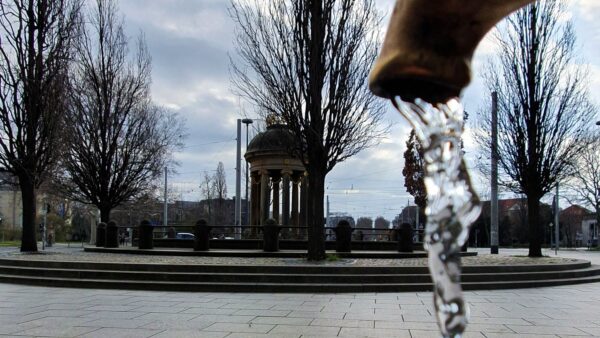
[(112, 235), (271, 236), (405, 238), (202, 233), (171, 233), (100, 235), (146, 234), (343, 236)]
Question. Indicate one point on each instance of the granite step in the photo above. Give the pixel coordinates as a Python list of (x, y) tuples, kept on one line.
[(294, 278), (287, 276), (276, 287)]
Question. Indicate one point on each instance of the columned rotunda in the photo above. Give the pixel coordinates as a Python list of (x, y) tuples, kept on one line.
[(278, 178)]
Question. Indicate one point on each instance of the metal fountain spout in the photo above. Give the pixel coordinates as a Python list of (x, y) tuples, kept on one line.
[(429, 45), (424, 64)]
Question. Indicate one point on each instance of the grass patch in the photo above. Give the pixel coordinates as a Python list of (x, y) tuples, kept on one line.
[(10, 243), (332, 258)]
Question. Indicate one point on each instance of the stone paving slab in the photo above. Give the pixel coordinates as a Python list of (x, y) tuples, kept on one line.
[(564, 311), (85, 313)]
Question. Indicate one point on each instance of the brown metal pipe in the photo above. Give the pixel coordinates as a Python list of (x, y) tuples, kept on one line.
[(429, 45)]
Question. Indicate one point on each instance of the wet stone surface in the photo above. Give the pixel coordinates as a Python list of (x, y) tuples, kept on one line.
[(64, 253)]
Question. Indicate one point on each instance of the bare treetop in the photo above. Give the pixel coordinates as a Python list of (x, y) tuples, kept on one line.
[(307, 62), (36, 46), (544, 115), (274, 42), (119, 142)]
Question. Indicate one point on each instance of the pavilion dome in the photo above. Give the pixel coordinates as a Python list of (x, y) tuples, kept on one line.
[(276, 141)]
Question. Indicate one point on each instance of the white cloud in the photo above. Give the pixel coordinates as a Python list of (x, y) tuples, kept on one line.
[(189, 42)]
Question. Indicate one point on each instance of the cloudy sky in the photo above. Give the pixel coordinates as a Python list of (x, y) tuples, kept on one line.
[(190, 41)]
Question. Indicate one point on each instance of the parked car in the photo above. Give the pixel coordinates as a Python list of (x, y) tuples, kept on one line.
[(185, 235)]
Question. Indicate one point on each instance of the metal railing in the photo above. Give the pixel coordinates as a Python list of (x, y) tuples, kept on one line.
[(227, 232)]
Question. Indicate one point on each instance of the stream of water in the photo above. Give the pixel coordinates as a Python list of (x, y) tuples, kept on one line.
[(452, 204)]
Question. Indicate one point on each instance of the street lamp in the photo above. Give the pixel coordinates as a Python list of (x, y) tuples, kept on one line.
[(550, 225), (247, 122)]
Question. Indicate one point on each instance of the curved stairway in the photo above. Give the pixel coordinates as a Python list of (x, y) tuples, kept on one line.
[(294, 278)]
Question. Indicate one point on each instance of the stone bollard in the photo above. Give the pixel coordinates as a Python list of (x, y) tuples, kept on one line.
[(202, 233), (343, 236), (146, 235), (271, 236), (405, 238), (171, 233), (112, 235), (100, 235)]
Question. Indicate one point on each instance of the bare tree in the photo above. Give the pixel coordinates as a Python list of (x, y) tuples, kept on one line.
[(219, 182), (36, 39), (543, 113), (118, 141), (208, 193), (220, 194), (381, 223), (585, 181), (306, 62)]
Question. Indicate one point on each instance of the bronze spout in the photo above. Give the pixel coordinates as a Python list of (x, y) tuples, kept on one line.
[(429, 45)]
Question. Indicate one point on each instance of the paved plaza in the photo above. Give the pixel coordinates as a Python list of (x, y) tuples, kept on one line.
[(566, 311)]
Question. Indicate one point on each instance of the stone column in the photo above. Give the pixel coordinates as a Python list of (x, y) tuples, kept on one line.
[(303, 204), (264, 196), (254, 198), (295, 216), (285, 210), (276, 179)]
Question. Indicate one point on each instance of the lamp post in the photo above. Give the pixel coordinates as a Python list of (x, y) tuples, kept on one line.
[(550, 225), (556, 223), (494, 178), (247, 122)]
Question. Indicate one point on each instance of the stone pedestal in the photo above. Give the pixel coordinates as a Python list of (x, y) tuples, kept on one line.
[(100, 234), (202, 233), (146, 238), (271, 236), (405, 238), (112, 235), (343, 237)]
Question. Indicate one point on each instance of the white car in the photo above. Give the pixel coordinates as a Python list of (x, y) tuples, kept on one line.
[(185, 235)]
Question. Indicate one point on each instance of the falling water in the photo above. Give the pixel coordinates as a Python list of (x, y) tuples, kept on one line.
[(452, 204)]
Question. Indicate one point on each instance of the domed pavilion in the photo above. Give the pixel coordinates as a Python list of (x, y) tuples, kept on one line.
[(275, 170)]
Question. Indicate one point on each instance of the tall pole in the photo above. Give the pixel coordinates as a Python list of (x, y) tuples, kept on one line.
[(247, 122), (556, 223), (44, 228), (494, 178), (166, 206), (327, 212), (417, 220), (238, 179)]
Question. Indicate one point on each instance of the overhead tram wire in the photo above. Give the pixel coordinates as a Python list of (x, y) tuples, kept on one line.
[(208, 143), (363, 175)]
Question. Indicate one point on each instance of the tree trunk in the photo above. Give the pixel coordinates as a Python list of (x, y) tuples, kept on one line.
[(314, 217), (28, 240), (597, 225), (105, 214), (317, 158), (535, 233)]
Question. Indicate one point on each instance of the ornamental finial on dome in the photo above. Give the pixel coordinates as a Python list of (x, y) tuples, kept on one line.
[(273, 119)]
